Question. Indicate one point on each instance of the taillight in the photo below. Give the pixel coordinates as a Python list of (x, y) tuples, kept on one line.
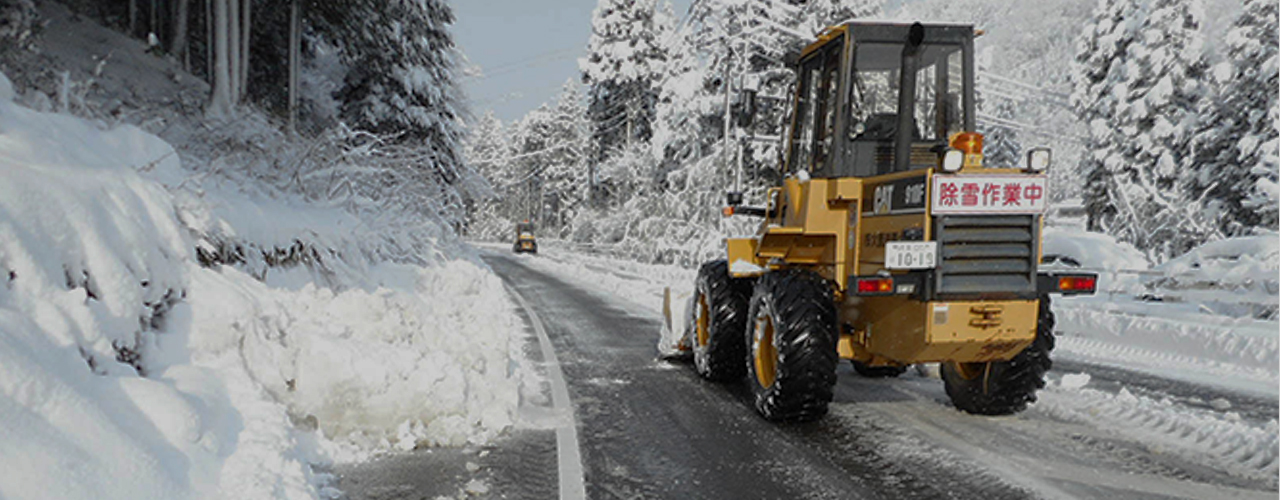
[(874, 286), (1077, 283), (1067, 284)]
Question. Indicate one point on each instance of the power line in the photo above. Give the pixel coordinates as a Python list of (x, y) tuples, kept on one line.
[(1030, 129), (1028, 86)]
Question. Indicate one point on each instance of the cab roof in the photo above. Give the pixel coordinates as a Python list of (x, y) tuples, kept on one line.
[(894, 32)]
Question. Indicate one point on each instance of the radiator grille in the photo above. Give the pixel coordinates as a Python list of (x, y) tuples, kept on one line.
[(985, 254)]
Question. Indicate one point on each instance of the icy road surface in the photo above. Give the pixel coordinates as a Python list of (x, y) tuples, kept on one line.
[(649, 428)]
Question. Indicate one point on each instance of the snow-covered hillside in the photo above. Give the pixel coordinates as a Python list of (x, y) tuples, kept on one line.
[(171, 335)]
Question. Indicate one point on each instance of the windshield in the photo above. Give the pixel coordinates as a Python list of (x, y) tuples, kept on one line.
[(939, 105)]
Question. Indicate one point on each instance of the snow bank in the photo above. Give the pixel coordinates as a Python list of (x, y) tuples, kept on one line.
[(425, 359), (1239, 272), (1238, 354), (1214, 439), (95, 259), (128, 370)]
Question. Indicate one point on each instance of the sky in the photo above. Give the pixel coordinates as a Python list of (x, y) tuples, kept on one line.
[(526, 50)]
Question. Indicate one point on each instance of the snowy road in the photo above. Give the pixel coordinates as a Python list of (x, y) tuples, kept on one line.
[(652, 429)]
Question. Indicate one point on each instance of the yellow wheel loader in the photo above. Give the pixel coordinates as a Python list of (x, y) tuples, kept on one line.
[(525, 241), (889, 241)]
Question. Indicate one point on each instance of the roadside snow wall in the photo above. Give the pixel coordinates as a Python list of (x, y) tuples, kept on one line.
[(129, 370)]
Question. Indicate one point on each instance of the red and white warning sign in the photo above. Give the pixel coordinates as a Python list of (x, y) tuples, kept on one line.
[(989, 194)]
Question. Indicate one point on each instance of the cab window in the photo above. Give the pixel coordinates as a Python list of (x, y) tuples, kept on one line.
[(813, 134)]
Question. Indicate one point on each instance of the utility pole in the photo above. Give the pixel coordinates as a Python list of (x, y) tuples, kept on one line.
[(628, 109), (210, 41), (591, 182), (728, 116), (737, 138), (295, 56)]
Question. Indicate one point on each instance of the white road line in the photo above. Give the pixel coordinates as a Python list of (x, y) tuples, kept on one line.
[(572, 485)]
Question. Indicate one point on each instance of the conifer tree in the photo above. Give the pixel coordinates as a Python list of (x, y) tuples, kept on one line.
[(1138, 86), (623, 64), (1003, 149), (1234, 161)]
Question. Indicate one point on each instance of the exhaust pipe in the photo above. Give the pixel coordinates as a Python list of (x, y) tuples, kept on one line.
[(907, 99)]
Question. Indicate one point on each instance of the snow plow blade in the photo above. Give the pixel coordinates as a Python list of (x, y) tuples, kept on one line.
[(673, 343)]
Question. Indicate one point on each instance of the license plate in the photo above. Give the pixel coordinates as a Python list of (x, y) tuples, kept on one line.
[(911, 255)]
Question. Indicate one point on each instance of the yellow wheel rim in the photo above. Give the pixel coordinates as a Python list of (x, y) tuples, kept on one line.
[(765, 352), (704, 322), (971, 371)]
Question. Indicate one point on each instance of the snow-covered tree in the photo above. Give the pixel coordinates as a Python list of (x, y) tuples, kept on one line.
[(1002, 148), (1235, 150), (402, 62), (1097, 75), (1138, 86), (624, 61), (676, 128), (400, 83), (822, 13), (566, 177), (735, 41), (531, 139), (486, 148)]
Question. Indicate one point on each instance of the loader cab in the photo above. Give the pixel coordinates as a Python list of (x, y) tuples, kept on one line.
[(859, 114)]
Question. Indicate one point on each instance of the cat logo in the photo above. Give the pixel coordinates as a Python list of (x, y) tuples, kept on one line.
[(883, 198), (901, 196)]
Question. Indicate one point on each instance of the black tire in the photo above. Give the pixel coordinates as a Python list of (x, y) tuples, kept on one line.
[(878, 371), (717, 344), (1004, 387), (797, 309)]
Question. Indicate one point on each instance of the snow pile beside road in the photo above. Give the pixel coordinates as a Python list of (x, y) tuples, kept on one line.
[(1231, 277), (1218, 440), (1237, 353), (426, 358), (1207, 317), (128, 370)]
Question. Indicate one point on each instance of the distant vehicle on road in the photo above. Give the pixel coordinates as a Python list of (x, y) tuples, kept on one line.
[(525, 242)]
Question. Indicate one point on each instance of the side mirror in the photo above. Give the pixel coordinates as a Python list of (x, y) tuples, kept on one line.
[(733, 198)]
